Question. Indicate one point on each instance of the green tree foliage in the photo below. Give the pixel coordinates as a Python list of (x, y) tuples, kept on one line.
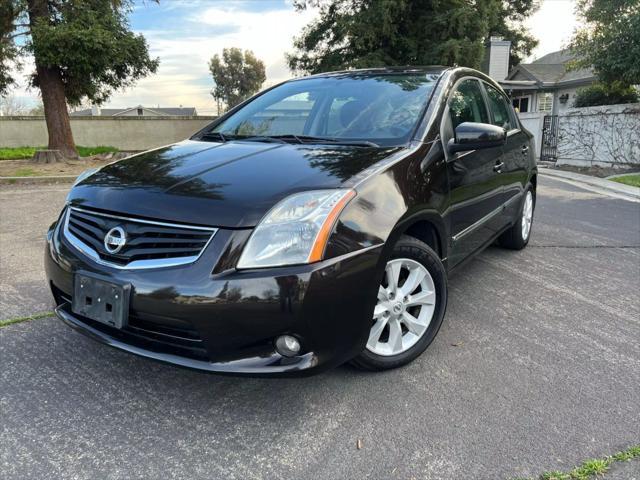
[(8, 47), (367, 33), (610, 40), (237, 75), (605, 94), (83, 50)]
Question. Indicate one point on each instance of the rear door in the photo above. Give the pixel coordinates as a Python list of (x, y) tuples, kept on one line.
[(476, 191), (516, 150)]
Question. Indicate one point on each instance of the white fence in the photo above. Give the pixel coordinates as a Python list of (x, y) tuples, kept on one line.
[(604, 136), (600, 136), (125, 133), (608, 135)]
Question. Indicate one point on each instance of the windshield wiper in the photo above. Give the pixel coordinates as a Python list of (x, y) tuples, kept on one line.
[(215, 135), (227, 137), (328, 140), (289, 138), (260, 138)]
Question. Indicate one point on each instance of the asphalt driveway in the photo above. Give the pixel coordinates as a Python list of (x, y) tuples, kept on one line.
[(537, 367)]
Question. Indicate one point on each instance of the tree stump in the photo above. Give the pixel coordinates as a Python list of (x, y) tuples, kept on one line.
[(47, 156)]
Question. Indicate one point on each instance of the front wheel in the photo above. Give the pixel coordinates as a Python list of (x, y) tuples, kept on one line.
[(517, 237), (412, 300)]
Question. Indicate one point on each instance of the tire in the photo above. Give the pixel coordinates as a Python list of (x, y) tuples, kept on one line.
[(515, 238), (411, 258)]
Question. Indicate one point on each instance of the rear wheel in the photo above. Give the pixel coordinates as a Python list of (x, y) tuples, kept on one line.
[(517, 237), (412, 299)]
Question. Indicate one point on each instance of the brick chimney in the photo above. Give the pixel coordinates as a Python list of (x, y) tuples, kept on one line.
[(496, 58)]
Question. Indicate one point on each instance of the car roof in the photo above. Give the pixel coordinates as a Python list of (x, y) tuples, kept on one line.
[(431, 69), (437, 70)]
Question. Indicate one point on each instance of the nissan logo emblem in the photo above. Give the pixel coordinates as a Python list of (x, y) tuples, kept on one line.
[(115, 240)]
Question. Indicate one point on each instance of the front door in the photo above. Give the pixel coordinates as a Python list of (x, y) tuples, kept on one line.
[(516, 151), (476, 190)]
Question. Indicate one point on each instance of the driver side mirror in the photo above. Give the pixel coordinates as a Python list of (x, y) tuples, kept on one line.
[(474, 136)]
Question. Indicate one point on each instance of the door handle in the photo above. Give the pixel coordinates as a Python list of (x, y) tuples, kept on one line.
[(498, 167), (525, 149)]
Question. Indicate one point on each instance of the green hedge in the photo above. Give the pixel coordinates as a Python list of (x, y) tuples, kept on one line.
[(602, 94)]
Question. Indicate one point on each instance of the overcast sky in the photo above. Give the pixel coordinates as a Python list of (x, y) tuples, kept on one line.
[(186, 33)]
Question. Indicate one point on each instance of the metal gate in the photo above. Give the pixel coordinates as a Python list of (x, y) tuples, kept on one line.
[(549, 147)]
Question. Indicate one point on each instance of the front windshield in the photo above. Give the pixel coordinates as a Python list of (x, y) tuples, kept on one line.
[(378, 108)]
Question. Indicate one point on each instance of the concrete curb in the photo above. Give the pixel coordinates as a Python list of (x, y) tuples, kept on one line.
[(37, 180), (602, 184)]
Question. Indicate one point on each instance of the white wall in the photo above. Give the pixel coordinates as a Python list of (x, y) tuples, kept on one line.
[(532, 121), (562, 108), (125, 133), (604, 136)]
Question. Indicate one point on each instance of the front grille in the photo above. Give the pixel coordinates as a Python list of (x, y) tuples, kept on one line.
[(145, 331), (147, 243)]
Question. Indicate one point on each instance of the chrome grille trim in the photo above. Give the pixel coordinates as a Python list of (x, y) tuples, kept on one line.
[(90, 252), (148, 222)]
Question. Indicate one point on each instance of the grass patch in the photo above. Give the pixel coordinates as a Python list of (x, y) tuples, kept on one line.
[(632, 179), (21, 153), (11, 321), (593, 468), (88, 151), (16, 153), (24, 172)]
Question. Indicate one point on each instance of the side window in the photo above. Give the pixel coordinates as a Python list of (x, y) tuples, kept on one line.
[(521, 103), (467, 104), (499, 108)]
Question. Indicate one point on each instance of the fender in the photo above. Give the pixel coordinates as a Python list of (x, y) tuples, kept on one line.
[(409, 191)]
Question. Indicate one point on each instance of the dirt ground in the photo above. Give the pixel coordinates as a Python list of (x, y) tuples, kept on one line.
[(27, 168)]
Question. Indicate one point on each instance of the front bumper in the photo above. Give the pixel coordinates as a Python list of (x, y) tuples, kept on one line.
[(227, 322)]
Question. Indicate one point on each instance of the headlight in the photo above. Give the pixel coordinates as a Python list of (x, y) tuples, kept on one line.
[(296, 230), (84, 175)]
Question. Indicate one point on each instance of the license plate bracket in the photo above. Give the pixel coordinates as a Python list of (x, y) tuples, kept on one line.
[(100, 300)]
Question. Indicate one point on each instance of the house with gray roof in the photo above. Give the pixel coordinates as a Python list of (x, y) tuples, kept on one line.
[(138, 111), (539, 89), (546, 85)]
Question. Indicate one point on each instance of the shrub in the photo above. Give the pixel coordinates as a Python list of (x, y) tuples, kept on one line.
[(602, 94)]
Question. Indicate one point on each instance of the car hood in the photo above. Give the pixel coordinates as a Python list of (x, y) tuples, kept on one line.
[(229, 184)]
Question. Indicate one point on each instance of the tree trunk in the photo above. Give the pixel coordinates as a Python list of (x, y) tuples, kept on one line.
[(47, 156), (52, 90), (55, 111)]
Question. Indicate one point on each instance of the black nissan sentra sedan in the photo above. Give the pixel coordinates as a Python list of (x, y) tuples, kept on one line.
[(314, 224)]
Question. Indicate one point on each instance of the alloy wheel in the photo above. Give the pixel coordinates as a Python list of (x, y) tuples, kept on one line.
[(527, 215), (405, 308)]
